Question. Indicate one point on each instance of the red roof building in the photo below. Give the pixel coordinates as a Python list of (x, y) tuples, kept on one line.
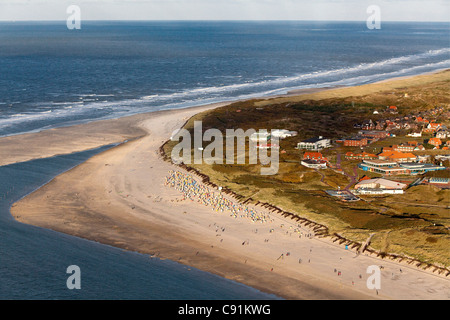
[(432, 127), (435, 142), (314, 156), (392, 109), (397, 156)]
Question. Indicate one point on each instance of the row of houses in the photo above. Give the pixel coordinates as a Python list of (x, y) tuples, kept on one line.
[(415, 122)]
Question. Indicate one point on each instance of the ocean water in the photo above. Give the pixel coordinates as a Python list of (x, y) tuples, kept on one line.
[(33, 261), (51, 76)]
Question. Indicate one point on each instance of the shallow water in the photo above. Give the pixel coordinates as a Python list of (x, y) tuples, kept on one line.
[(33, 261)]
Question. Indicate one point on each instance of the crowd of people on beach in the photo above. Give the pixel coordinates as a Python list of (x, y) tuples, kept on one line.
[(193, 190)]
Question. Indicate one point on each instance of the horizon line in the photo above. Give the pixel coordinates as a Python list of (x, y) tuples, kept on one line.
[(217, 20)]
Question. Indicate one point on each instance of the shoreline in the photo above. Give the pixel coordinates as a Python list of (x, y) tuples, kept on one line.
[(117, 198), (121, 129)]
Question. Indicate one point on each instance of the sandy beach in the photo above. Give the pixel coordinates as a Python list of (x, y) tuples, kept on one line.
[(121, 198)]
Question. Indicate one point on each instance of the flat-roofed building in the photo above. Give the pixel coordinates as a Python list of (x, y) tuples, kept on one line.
[(379, 186), (440, 182), (384, 167), (420, 168), (283, 133), (380, 183), (314, 144)]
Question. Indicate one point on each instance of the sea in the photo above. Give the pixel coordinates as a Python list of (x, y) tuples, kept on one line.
[(51, 76)]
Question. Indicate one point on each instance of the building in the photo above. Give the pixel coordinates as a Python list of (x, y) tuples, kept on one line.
[(355, 142), (368, 125), (373, 134), (423, 158), (421, 120), (404, 147), (314, 164), (380, 125), (415, 134), (435, 142), (440, 182), (360, 156), (383, 167), (283, 133), (442, 134), (392, 109), (433, 126), (421, 168), (314, 144), (390, 168), (379, 186), (442, 157), (314, 156), (343, 195), (380, 183), (397, 156)]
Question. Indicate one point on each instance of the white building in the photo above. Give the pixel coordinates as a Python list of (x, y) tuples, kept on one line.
[(442, 134), (314, 164), (283, 133), (378, 191), (442, 157), (415, 134), (315, 144), (423, 158), (380, 186)]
